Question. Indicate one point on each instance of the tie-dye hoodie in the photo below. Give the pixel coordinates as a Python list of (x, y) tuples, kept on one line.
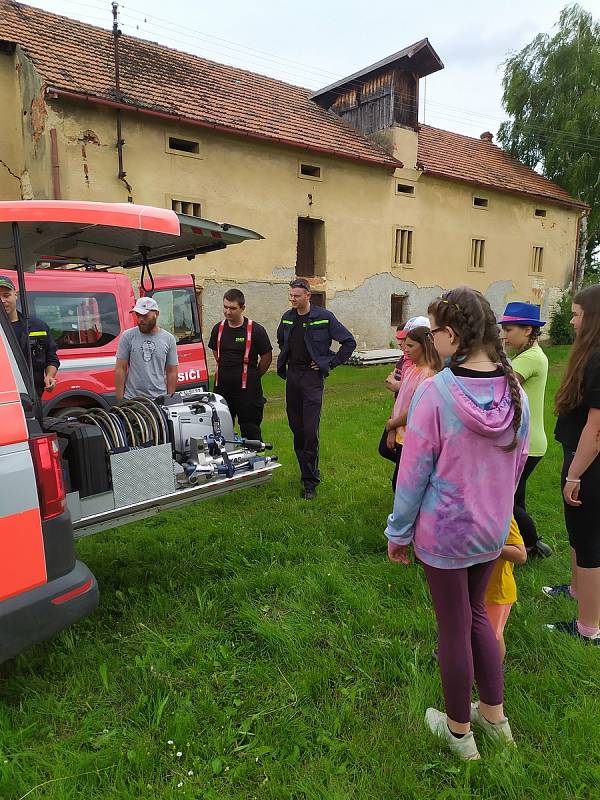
[(456, 483)]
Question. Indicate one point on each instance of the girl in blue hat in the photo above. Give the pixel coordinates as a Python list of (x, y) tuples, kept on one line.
[(522, 326)]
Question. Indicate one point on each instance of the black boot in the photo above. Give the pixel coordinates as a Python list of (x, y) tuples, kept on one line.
[(540, 550)]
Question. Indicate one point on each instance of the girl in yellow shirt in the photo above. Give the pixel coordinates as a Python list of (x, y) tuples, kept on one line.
[(501, 593)]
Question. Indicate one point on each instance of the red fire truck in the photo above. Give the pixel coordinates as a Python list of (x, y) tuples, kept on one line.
[(87, 310)]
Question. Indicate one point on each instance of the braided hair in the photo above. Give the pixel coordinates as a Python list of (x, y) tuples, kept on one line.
[(534, 335), (470, 316)]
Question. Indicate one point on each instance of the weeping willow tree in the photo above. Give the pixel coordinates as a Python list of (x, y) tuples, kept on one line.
[(552, 95)]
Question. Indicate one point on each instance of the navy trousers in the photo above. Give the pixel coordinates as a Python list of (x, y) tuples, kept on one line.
[(304, 398)]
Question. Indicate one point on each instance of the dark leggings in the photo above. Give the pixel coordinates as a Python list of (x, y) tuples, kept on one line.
[(467, 645), (524, 521), (396, 468)]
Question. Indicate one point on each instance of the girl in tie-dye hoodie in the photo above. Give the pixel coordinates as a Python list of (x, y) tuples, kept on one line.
[(464, 450)]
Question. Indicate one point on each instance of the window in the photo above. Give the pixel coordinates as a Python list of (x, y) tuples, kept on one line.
[(477, 254), (310, 254), (403, 246), (309, 171), (179, 314), (183, 147), (187, 207), (405, 189), (540, 212), (537, 260), (318, 299), (398, 301), (480, 202), (77, 320)]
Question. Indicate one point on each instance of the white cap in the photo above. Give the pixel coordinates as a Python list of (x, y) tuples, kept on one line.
[(417, 322), (144, 305)]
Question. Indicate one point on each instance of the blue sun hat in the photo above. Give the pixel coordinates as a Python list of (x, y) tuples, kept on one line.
[(522, 314)]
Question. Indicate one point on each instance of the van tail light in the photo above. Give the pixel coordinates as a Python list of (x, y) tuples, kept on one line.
[(48, 474)]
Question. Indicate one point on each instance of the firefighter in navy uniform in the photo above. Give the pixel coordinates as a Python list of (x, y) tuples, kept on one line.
[(44, 360), (305, 359), (243, 354)]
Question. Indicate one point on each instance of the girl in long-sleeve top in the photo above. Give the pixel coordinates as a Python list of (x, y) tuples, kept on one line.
[(464, 450)]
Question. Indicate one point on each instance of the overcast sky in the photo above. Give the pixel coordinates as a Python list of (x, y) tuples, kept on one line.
[(315, 42)]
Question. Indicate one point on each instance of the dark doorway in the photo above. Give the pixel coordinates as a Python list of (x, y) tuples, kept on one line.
[(310, 257), (317, 299), (398, 302)]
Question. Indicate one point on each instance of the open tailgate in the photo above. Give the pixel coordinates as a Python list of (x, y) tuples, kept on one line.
[(115, 234), (113, 518)]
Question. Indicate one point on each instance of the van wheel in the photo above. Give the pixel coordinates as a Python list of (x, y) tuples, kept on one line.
[(71, 411)]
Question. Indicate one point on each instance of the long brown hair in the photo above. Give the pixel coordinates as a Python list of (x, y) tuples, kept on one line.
[(470, 316), (422, 336), (570, 394)]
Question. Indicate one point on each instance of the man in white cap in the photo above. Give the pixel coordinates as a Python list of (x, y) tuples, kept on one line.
[(146, 356)]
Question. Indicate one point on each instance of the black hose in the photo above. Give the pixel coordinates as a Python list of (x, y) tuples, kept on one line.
[(146, 271)]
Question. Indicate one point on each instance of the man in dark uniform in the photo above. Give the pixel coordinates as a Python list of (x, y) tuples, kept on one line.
[(243, 354), (37, 337), (304, 336)]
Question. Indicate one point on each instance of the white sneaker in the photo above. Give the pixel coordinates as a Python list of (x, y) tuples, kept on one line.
[(499, 731), (465, 747)]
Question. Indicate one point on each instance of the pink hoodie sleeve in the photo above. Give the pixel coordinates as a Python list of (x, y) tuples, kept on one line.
[(419, 454)]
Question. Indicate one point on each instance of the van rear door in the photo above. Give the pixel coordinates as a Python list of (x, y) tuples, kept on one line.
[(43, 588), (176, 297)]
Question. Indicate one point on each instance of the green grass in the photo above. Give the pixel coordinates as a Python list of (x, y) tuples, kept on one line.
[(272, 642)]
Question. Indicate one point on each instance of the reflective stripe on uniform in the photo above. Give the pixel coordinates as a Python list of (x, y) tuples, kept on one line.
[(317, 322), (38, 333), (286, 322)]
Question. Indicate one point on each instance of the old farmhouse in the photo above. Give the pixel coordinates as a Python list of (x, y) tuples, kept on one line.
[(348, 189)]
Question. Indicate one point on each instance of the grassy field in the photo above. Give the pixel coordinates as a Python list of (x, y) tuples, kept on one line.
[(259, 646)]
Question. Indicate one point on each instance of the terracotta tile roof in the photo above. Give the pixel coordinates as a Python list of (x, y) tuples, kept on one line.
[(76, 57), (477, 161)]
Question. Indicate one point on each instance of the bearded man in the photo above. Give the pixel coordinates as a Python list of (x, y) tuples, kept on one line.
[(146, 356)]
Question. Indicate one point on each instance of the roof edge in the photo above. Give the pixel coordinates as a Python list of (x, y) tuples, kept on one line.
[(390, 162), (408, 52), (521, 192)]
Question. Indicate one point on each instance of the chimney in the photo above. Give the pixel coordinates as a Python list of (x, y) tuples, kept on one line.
[(487, 136)]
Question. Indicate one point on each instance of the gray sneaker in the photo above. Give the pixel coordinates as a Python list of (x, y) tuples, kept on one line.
[(499, 731), (465, 748)]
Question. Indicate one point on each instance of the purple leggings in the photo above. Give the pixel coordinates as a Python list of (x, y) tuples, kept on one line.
[(467, 645)]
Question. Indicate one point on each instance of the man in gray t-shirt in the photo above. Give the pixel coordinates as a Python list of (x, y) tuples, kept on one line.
[(146, 356)]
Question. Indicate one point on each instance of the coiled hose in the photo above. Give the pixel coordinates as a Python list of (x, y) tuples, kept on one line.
[(138, 422)]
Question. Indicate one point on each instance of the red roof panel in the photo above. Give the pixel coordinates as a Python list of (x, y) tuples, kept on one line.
[(479, 161), (77, 57)]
